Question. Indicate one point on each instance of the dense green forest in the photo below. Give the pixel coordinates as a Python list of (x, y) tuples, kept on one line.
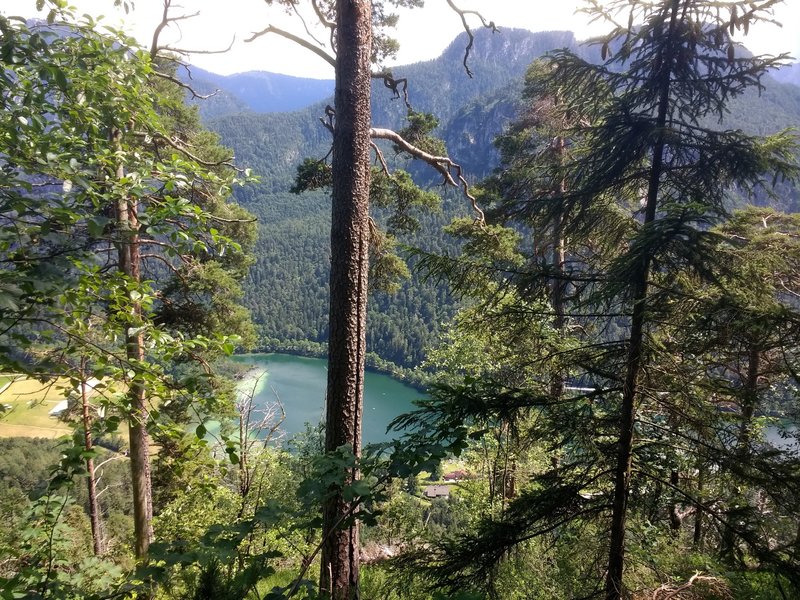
[(611, 342), (291, 254)]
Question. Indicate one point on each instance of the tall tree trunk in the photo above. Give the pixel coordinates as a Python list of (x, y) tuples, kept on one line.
[(91, 482), (339, 569), (616, 557), (129, 256), (635, 357)]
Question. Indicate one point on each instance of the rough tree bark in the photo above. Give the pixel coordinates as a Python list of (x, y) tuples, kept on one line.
[(129, 257), (339, 572)]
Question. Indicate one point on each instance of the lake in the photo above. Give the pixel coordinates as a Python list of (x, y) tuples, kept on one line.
[(300, 384), (783, 438)]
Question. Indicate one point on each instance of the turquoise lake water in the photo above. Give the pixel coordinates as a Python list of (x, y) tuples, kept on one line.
[(300, 384)]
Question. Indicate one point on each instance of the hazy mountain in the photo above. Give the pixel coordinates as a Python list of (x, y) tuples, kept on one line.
[(788, 74), (256, 91)]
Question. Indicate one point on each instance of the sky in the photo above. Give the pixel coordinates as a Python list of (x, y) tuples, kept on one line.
[(423, 33)]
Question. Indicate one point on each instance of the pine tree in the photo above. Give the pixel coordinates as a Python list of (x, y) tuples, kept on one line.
[(647, 176)]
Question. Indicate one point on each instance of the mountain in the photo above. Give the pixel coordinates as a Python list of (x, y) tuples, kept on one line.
[(788, 74), (254, 91), (287, 285)]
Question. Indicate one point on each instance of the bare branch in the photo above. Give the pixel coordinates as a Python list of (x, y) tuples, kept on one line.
[(116, 456), (392, 84), (331, 25), (178, 145), (487, 24), (381, 159), (330, 113), (156, 49), (166, 21), (297, 40), (186, 86), (305, 25), (190, 51), (322, 18), (442, 164), (672, 590), (170, 267), (450, 170)]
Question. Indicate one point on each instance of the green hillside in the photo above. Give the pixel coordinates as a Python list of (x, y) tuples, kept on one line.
[(287, 285)]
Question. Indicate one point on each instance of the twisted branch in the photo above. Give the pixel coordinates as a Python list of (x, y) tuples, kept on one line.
[(487, 24), (451, 171)]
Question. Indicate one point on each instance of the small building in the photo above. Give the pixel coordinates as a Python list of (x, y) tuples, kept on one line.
[(437, 491), (456, 476)]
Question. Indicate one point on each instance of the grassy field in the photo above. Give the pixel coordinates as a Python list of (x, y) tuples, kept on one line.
[(28, 404)]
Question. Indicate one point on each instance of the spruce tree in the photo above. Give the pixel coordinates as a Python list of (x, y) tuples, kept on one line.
[(650, 171)]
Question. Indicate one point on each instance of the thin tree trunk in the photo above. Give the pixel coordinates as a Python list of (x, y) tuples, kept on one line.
[(749, 400), (129, 255), (697, 540), (675, 517), (558, 288), (635, 358), (797, 542), (730, 541), (616, 557), (94, 510), (339, 569)]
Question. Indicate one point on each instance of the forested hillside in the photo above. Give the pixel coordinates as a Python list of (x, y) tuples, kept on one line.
[(287, 286), (611, 406)]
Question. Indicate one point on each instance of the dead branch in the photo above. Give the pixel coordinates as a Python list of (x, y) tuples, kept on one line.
[(156, 49), (380, 158), (667, 590), (181, 147), (297, 40), (329, 114), (449, 169), (195, 95), (321, 16), (487, 24), (166, 21), (392, 84), (185, 51), (170, 267), (269, 418), (442, 164), (305, 25), (116, 456)]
